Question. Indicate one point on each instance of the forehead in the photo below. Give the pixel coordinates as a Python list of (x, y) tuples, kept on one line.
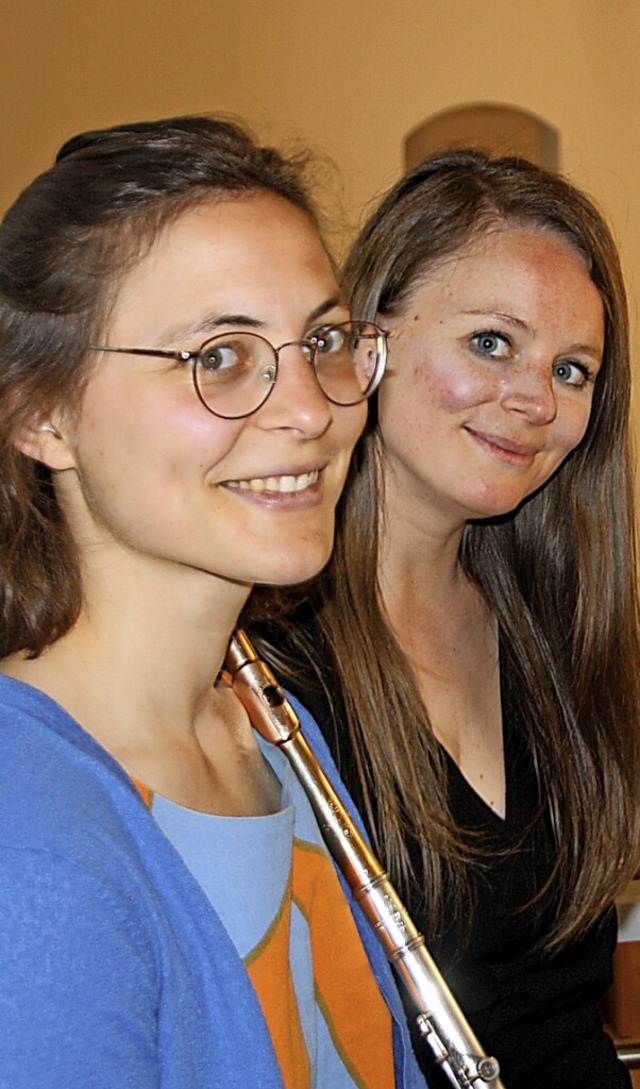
[(227, 253), (513, 261), (531, 240)]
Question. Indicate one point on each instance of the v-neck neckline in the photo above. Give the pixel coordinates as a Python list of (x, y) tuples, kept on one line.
[(514, 762)]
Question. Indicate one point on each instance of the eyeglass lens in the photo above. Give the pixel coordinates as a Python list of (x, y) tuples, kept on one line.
[(234, 374)]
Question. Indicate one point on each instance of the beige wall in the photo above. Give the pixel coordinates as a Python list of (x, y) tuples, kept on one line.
[(348, 77)]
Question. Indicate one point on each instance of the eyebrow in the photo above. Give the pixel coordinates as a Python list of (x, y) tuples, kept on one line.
[(510, 319), (518, 323), (211, 322)]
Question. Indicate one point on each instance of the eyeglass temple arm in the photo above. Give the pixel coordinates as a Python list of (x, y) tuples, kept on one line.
[(161, 353)]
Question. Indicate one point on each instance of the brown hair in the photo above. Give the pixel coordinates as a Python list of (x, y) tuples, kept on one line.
[(63, 246), (558, 573)]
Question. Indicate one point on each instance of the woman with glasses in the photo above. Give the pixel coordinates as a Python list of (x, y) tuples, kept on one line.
[(473, 645), (181, 387)]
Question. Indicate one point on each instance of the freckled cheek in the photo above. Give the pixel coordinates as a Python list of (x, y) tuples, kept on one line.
[(440, 382), (572, 426)]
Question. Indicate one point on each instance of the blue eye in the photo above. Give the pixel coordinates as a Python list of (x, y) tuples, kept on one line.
[(490, 343), (571, 373)]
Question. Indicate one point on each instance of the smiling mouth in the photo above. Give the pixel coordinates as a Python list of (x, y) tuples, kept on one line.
[(282, 484), (504, 446)]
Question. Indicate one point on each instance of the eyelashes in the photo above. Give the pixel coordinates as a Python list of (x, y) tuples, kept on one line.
[(489, 342), (572, 373), (493, 344)]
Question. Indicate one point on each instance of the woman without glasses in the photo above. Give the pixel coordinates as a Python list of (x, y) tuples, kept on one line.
[(180, 392), (479, 615)]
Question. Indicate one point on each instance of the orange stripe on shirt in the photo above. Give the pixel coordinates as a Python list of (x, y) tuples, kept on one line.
[(355, 1011), (269, 971), (144, 792)]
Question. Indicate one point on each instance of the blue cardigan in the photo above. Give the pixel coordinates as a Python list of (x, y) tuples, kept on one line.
[(115, 971)]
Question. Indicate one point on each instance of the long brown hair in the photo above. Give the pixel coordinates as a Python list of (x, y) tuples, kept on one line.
[(558, 573), (64, 245)]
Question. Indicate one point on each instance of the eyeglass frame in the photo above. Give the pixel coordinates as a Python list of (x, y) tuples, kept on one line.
[(310, 343)]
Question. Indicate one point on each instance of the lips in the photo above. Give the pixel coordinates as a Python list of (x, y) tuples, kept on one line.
[(504, 445), (284, 485)]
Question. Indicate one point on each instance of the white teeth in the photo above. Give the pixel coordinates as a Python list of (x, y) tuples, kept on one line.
[(276, 483)]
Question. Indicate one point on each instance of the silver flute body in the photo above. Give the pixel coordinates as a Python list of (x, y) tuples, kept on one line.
[(439, 1018)]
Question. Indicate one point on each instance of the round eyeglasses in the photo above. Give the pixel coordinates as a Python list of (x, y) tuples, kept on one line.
[(234, 373)]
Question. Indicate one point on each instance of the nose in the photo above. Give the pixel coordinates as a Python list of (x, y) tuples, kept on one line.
[(529, 390), (297, 402)]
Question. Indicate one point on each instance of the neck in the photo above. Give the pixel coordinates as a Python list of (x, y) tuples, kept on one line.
[(419, 564), (425, 592), (145, 651)]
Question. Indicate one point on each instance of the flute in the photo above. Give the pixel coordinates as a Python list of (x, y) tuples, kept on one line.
[(439, 1018)]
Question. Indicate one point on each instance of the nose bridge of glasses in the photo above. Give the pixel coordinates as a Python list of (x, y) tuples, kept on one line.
[(307, 347)]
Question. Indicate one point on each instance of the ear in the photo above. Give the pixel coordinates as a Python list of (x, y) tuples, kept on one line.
[(44, 442)]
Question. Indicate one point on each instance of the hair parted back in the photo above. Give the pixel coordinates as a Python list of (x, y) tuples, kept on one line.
[(559, 572), (64, 245)]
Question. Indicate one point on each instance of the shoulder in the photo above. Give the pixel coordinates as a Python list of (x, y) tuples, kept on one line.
[(56, 782), (75, 940), (69, 817)]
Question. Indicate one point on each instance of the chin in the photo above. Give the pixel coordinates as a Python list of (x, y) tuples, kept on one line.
[(291, 573), (496, 509)]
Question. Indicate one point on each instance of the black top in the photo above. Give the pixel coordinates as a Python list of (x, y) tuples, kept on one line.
[(536, 1013)]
